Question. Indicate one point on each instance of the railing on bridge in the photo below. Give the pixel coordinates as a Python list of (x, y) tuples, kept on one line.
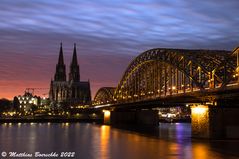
[(165, 72)]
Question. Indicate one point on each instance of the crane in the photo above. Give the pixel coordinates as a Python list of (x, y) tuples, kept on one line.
[(31, 90)]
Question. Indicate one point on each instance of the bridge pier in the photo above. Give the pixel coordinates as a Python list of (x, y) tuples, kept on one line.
[(107, 116), (200, 121), (214, 122), (135, 117)]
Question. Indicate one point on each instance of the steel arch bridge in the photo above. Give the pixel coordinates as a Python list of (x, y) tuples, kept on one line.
[(104, 95), (164, 72)]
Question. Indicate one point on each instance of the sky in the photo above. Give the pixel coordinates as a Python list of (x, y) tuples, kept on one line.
[(108, 33)]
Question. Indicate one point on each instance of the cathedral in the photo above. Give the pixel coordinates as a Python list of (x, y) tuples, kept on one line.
[(71, 91)]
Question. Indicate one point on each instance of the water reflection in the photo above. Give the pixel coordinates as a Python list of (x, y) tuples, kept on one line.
[(91, 141), (104, 141)]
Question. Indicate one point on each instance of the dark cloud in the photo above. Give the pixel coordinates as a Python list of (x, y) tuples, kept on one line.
[(108, 35)]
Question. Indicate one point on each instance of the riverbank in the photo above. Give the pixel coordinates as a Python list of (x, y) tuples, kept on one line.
[(46, 120), (62, 120)]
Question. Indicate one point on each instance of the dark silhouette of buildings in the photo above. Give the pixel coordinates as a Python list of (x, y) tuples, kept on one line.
[(73, 91)]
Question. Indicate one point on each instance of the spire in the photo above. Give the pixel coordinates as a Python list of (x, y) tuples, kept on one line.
[(74, 74), (61, 59), (74, 58), (60, 74)]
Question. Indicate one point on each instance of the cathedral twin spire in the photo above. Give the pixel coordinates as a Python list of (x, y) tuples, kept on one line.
[(61, 59), (74, 75), (60, 74)]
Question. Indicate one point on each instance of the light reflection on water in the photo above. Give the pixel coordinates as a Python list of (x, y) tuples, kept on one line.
[(96, 141)]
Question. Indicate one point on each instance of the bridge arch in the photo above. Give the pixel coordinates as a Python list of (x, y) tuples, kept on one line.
[(104, 95), (161, 72)]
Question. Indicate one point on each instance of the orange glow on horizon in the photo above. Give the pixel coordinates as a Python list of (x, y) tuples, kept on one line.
[(34, 69), (10, 89)]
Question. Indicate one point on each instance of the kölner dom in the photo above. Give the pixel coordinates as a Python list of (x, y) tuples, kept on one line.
[(71, 92)]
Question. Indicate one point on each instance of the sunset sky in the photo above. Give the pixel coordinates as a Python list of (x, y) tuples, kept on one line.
[(108, 34)]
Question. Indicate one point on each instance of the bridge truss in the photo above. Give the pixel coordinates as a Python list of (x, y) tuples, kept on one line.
[(104, 95), (162, 72)]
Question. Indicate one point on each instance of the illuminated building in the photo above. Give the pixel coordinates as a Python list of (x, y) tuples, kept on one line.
[(26, 102), (73, 91)]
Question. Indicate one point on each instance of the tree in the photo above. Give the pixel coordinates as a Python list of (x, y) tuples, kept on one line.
[(16, 104), (5, 104)]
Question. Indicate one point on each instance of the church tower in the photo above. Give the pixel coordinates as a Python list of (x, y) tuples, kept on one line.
[(60, 74), (72, 92), (74, 75), (58, 87)]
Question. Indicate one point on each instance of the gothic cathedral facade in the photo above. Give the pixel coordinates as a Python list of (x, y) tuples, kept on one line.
[(72, 91)]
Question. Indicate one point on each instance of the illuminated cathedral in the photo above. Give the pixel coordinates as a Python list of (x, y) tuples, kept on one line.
[(71, 91)]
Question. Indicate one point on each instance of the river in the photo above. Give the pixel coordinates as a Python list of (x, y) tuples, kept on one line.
[(91, 141)]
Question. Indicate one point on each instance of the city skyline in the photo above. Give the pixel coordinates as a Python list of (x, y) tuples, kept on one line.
[(108, 36)]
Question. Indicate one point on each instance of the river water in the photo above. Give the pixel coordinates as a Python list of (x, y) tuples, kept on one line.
[(91, 141)]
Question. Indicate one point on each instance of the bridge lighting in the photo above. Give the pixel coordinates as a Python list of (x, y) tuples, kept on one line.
[(106, 116), (237, 69), (199, 110), (200, 120), (235, 75), (106, 112)]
